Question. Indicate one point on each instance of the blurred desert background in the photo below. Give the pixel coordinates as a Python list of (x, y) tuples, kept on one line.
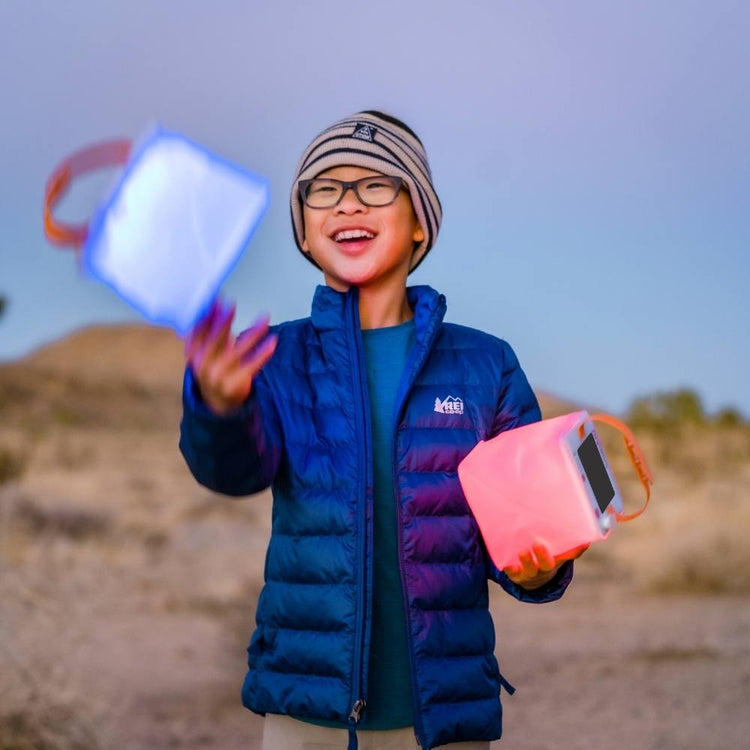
[(127, 591)]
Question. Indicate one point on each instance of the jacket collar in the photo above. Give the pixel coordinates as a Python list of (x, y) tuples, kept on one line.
[(328, 309)]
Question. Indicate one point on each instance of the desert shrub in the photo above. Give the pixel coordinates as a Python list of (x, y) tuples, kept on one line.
[(670, 411), (37, 400), (718, 565), (666, 410), (12, 465), (677, 434), (728, 417), (73, 523), (13, 393), (57, 727)]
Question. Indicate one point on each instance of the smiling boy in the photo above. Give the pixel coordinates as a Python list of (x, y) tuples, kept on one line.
[(373, 622)]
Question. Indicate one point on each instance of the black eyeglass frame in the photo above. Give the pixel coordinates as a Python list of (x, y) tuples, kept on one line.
[(398, 183)]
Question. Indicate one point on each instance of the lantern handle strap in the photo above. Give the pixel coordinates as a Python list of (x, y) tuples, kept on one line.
[(636, 457), (105, 154)]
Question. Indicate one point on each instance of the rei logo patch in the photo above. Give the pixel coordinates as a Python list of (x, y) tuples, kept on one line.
[(449, 405)]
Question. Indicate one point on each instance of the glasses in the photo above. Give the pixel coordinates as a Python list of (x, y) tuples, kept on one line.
[(324, 192)]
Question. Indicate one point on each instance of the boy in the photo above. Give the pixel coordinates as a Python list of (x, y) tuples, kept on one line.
[(373, 620)]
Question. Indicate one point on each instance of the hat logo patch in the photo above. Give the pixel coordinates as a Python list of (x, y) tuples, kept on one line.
[(364, 131)]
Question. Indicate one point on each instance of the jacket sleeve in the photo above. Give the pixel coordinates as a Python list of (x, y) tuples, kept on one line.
[(517, 405), (237, 454)]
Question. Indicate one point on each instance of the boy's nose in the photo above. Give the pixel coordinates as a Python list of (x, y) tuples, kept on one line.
[(349, 202)]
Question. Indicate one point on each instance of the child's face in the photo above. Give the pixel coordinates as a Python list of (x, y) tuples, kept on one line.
[(382, 257)]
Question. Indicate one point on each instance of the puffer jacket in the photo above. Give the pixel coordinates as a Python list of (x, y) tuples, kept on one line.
[(305, 431)]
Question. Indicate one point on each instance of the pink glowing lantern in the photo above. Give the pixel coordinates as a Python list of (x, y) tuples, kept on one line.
[(547, 482)]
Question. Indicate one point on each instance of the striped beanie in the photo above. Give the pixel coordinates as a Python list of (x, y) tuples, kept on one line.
[(376, 141)]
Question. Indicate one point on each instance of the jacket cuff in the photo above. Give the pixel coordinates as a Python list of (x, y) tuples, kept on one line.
[(550, 592), (194, 405), (230, 454)]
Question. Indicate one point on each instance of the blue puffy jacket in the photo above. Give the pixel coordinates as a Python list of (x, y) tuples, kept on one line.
[(305, 431)]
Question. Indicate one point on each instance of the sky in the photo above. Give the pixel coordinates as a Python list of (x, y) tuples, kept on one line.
[(592, 158)]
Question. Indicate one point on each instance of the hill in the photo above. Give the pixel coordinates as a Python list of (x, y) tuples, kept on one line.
[(113, 376), (146, 356)]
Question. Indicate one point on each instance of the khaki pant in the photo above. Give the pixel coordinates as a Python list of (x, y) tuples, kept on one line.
[(285, 733)]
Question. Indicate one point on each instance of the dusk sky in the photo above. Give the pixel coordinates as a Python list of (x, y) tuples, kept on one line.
[(592, 158)]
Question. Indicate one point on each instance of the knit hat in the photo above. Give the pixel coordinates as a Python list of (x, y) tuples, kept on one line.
[(376, 141)]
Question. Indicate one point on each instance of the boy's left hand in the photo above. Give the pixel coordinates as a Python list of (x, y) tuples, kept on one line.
[(539, 566)]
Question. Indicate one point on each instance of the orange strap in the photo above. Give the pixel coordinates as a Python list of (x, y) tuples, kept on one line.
[(636, 456), (107, 154)]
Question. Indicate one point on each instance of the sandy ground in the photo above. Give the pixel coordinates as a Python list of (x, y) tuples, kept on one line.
[(144, 630)]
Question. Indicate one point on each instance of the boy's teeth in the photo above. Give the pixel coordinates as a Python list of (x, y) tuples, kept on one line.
[(353, 234)]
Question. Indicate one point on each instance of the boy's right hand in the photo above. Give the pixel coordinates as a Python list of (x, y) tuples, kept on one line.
[(224, 366)]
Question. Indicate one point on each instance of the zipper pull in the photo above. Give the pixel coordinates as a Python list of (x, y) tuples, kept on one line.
[(354, 717), (357, 710)]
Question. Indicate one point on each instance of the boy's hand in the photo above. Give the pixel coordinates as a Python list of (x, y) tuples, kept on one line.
[(224, 366), (539, 566)]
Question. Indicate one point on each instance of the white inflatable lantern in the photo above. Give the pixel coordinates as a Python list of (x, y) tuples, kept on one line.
[(172, 228)]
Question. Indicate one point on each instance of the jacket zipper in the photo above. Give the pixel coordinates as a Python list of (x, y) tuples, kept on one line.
[(411, 373), (418, 727), (361, 410)]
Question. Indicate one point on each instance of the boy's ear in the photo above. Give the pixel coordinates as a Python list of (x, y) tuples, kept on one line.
[(305, 246)]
